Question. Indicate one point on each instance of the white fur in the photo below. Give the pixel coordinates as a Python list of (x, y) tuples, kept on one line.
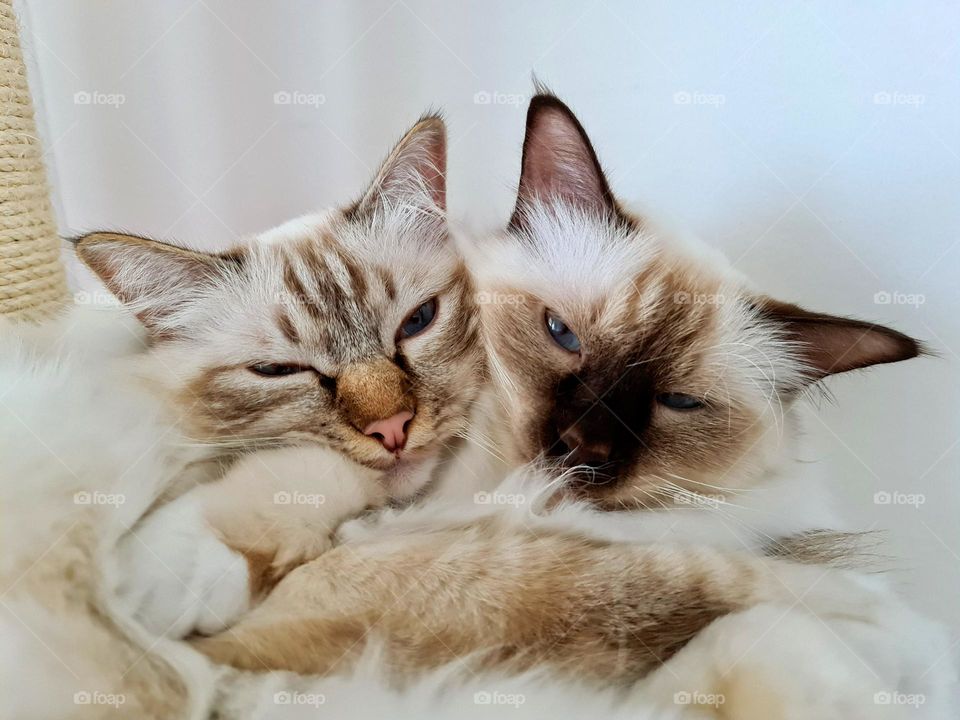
[(442, 695), (80, 461), (566, 252), (177, 577), (182, 568), (65, 404)]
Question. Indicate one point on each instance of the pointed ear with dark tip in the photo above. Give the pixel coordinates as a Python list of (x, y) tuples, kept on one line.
[(559, 163), (828, 344), (153, 279), (414, 173)]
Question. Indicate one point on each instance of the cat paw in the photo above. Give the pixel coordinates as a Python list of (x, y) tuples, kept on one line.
[(779, 663), (177, 577)]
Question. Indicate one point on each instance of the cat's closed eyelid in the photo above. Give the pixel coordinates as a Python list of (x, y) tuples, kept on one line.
[(272, 370), (268, 369)]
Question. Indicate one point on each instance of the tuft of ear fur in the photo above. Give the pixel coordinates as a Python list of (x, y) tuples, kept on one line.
[(414, 173), (559, 164), (828, 344), (153, 279)]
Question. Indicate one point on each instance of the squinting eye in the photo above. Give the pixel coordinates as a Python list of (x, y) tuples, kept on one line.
[(679, 401), (562, 335), (276, 369), (419, 320)]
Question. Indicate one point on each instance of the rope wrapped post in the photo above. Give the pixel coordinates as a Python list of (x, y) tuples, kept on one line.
[(32, 279)]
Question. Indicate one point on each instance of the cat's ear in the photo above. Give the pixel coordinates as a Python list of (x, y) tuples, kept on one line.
[(153, 279), (828, 344), (559, 164), (414, 173)]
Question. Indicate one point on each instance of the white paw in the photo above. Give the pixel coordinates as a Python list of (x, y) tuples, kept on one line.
[(773, 662), (177, 577)]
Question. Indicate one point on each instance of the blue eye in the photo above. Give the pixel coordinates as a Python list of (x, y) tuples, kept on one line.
[(419, 320), (679, 401), (562, 335)]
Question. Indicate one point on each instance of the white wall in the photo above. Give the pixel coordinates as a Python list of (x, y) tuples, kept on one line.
[(816, 142)]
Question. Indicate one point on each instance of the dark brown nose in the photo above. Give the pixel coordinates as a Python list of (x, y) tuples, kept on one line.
[(583, 450)]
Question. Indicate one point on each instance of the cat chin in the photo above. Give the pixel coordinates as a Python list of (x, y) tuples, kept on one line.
[(410, 475)]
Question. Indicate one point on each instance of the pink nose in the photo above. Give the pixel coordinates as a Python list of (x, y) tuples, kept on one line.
[(391, 432)]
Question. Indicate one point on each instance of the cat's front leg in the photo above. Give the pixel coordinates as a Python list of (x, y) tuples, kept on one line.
[(199, 562)]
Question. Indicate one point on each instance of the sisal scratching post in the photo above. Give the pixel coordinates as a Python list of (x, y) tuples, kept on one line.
[(32, 280)]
